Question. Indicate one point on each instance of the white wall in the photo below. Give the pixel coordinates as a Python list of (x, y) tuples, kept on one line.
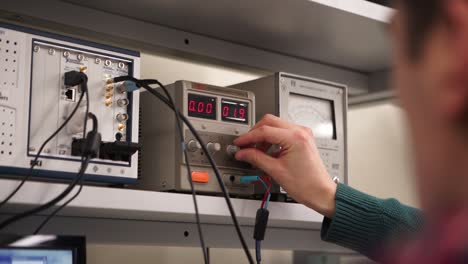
[(380, 152), (169, 69)]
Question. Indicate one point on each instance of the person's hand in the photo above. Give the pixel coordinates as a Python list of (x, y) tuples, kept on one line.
[(297, 167)]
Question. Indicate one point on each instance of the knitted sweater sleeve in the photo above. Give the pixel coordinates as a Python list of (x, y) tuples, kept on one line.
[(364, 223)]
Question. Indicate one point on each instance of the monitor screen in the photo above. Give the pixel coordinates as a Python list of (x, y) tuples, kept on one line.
[(314, 113), (42, 249), (35, 256)]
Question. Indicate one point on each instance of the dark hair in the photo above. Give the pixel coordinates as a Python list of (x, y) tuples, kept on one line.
[(421, 16)]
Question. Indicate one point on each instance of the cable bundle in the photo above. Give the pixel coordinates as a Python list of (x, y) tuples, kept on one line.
[(91, 148)]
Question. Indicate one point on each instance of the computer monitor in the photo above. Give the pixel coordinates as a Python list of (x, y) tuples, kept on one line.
[(42, 249)]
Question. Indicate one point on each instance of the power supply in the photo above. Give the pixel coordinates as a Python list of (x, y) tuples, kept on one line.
[(34, 102), (219, 115)]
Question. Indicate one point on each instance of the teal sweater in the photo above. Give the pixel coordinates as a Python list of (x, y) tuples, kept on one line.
[(364, 223)]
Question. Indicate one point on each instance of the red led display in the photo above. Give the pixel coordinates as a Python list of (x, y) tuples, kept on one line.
[(201, 106), (234, 111)]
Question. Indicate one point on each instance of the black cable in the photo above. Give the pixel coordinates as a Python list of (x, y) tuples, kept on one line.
[(145, 85), (52, 202), (54, 213), (34, 162), (189, 172), (213, 164), (76, 179)]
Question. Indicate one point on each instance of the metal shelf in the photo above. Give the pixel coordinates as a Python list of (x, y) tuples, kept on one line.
[(331, 32), (105, 202), (343, 41), (125, 216)]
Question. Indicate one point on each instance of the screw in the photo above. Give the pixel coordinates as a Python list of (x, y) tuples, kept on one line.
[(80, 57), (97, 61), (51, 52), (37, 48), (108, 63), (66, 54), (121, 65)]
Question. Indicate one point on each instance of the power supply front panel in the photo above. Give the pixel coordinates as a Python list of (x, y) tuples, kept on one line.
[(34, 102), (219, 115)]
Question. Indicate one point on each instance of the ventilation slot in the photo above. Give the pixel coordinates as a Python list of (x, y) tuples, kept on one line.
[(7, 132), (9, 55), (140, 139)]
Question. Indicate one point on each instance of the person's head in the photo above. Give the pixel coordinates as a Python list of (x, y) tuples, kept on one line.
[(430, 40)]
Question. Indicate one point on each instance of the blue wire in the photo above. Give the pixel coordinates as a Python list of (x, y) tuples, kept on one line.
[(258, 253), (263, 182), (269, 193), (268, 200)]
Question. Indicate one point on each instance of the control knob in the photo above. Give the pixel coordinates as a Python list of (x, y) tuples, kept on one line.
[(193, 146), (232, 150), (213, 147)]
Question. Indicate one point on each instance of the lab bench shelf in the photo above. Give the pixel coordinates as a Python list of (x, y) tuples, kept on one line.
[(120, 215)]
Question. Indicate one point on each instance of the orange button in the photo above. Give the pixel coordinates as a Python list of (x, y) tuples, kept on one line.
[(200, 176)]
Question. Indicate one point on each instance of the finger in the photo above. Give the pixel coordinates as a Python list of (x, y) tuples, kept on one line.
[(263, 147), (265, 134), (274, 121), (258, 159)]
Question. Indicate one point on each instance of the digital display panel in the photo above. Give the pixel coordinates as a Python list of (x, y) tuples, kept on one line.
[(314, 113), (234, 111), (201, 106)]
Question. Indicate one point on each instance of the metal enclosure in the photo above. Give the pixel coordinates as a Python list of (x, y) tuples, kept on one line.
[(274, 94), (34, 102), (164, 167)]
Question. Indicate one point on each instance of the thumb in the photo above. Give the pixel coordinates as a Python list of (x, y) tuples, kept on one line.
[(258, 159)]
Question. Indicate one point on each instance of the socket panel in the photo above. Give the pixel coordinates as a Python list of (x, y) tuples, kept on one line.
[(34, 102)]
